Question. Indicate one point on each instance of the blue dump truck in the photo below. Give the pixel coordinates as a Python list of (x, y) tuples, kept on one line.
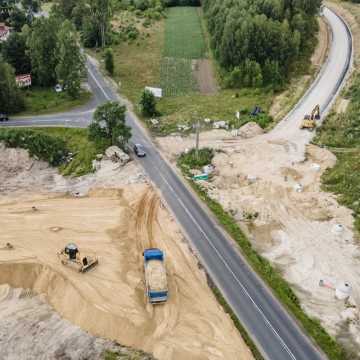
[(155, 276)]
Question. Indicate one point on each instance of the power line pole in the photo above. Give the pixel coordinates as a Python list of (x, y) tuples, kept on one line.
[(197, 126)]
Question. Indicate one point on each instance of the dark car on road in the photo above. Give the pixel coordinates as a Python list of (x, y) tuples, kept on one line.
[(4, 117), (139, 150)]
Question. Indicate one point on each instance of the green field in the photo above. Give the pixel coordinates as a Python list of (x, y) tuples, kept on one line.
[(184, 42), (176, 76), (183, 34)]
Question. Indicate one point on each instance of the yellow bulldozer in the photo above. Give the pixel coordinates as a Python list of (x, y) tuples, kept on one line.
[(70, 256), (309, 121)]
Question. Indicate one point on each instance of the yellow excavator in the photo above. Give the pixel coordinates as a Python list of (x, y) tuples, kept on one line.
[(309, 121), (71, 256)]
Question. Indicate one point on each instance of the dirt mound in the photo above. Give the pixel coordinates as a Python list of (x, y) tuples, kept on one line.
[(28, 325), (21, 173), (250, 130)]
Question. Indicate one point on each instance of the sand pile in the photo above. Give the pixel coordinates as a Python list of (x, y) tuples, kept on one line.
[(28, 325), (250, 130)]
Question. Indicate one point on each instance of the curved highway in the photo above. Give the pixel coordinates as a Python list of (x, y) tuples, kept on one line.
[(275, 333)]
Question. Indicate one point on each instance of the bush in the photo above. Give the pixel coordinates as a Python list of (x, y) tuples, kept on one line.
[(45, 147), (148, 103), (196, 161), (109, 61)]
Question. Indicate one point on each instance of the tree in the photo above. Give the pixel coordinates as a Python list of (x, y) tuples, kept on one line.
[(17, 19), (15, 53), (253, 38), (30, 7), (43, 46), (6, 7), (66, 7), (70, 61), (102, 12), (11, 99), (109, 124), (109, 61), (99, 20), (148, 103)]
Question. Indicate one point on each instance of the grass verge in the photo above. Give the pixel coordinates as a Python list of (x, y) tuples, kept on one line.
[(40, 101), (269, 274)]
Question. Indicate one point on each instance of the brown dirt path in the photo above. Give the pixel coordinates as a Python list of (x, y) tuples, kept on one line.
[(204, 74)]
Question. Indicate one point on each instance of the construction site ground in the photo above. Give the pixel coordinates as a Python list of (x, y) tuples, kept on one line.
[(271, 183), (115, 214)]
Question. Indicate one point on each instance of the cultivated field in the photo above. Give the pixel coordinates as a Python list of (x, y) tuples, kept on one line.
[(184, 43)]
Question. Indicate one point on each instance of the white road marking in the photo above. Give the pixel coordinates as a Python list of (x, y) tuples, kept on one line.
[(98, 84)]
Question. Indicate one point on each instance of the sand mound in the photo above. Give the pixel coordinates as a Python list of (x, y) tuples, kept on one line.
[(28, 325), (250, 130), (21, 173)]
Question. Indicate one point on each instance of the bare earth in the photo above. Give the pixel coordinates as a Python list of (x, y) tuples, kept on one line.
[(23, 313), (204, 74), (114, 214), (297, 225)]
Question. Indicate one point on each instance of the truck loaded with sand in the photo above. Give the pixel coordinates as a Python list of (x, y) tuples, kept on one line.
[(48, 310)]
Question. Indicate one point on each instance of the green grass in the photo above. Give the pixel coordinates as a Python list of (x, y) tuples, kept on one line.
[(176, 77), (270, 275), (184, 42), (341, 134), (344, 180), (45, 101), (183, 34), (78, 143), (222, 106)]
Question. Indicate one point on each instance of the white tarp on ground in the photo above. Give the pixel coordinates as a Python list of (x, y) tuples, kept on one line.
[(157, 92)]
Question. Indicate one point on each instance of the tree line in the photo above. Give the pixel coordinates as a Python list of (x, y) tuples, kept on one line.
[(259, 42), (45, 47)]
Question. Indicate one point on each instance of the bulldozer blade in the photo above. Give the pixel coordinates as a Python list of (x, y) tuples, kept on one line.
[(89, 266)]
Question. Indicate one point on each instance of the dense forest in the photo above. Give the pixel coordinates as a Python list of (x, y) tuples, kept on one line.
[(260, 41)]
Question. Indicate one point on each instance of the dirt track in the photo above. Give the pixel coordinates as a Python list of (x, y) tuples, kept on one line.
[(108, 301)]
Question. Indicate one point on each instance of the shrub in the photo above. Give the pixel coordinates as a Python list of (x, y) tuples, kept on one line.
[(109, 61), (196, 161), (148, 103)]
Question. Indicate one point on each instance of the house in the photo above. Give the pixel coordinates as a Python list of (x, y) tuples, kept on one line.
[(23, 80), (4, 32)]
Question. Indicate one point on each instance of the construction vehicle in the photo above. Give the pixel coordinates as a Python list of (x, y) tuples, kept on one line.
[(155, 276), (309, 121), (70, 256)]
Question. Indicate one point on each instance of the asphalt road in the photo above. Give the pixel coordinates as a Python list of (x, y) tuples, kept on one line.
[(275, 333)]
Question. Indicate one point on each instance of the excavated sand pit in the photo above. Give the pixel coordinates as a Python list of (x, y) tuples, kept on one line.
[(116, 224)]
